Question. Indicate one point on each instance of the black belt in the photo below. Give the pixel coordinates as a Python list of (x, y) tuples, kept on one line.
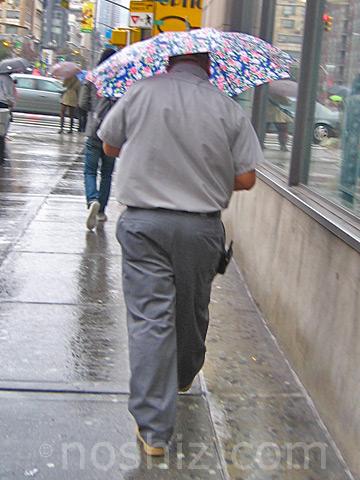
[(216, 214)]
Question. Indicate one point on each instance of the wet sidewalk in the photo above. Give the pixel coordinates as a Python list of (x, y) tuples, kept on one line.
[(64, 361)]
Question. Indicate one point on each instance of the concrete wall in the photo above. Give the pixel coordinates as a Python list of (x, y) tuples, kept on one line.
[(306, 281)]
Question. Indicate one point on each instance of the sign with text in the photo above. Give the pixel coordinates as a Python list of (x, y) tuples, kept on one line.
[(177, 15), (144, 6)]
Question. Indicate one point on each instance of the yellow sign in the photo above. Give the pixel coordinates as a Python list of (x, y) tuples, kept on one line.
[(65, 4), (142, 6), (177, 15), (87, 18), (121, 36)]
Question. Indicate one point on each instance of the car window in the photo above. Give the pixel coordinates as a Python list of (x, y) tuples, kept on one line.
[(27, 83), (48, 86)]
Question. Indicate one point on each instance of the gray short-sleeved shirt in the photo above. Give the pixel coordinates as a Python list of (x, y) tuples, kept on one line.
[(182, 142)]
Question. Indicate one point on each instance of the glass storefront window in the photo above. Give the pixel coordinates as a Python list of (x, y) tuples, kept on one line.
[(335, 156), (281, 104)]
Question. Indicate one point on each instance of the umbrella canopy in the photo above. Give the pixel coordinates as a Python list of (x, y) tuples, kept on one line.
[(284, 88), (14, 65), (339, 90), (65, 70), (238, 61)]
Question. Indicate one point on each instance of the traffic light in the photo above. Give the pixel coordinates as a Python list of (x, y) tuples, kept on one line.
[(328, 22)]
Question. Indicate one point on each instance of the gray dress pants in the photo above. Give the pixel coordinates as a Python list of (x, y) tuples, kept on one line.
[(169, 262)]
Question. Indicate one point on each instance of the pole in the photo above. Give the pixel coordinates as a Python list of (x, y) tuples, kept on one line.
[(261, 93), (94, 36), (309, 74)]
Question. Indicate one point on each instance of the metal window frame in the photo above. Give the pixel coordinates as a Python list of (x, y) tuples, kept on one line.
[(261, 93), (308, 83)]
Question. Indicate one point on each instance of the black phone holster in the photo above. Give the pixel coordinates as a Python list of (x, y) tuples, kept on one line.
[(225, 257)]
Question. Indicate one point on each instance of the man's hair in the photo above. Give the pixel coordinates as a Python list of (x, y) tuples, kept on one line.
[(202, 59), (106, 53)]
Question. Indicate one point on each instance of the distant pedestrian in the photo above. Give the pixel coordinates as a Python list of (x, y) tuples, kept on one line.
[(350, 165), (69, 102), (7, 100), (277, 115), (96, 109), (185, 147), (7, 91), (81, 113)]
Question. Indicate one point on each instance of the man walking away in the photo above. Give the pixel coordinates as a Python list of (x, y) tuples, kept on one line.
[(185, 147), (97, 108)]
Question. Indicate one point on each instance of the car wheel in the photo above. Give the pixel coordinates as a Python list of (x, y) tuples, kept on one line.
[(321, 132)]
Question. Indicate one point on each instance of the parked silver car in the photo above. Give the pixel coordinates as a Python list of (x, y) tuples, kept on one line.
[(326, 121), (38, 94)]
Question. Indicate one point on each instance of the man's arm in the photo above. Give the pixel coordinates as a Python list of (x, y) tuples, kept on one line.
[(247, 152), (245, 181), (111, 151)]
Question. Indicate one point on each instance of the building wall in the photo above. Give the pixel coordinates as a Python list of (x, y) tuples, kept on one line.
[(111, 15), (289, 26), (12, 14), (306, 282), (232, 15), (55, 25)]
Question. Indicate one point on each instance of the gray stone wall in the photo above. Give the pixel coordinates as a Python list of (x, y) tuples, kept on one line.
[(306, 281)]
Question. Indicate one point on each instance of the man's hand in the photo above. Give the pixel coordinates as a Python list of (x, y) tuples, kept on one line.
[(245, 181), (111, 151)]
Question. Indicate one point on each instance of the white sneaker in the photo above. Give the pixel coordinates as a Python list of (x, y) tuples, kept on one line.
[(101, 217), (93, 211)]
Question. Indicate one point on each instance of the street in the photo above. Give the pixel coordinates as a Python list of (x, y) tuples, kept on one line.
[(63, 349)]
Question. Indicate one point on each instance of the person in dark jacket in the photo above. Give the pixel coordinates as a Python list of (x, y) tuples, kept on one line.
[(97, 108)]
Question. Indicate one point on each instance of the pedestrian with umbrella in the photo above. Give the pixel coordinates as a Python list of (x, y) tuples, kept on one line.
[(184, 146), (8, 94), (7, 84), (67, 71), (276, 112)]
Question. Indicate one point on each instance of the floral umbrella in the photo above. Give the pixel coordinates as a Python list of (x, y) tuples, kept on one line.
[(238, 61)]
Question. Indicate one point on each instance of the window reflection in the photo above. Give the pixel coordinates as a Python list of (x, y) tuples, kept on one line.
[(282, 96), (335, 162)]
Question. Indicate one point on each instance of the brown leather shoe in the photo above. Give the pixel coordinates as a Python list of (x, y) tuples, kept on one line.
[(148, 449)]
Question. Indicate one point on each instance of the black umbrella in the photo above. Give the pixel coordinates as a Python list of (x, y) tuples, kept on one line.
[(14, 65)]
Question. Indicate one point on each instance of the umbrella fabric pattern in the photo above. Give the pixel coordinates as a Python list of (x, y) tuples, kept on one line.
[(14, 65), (65, 70), (238, 61)]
